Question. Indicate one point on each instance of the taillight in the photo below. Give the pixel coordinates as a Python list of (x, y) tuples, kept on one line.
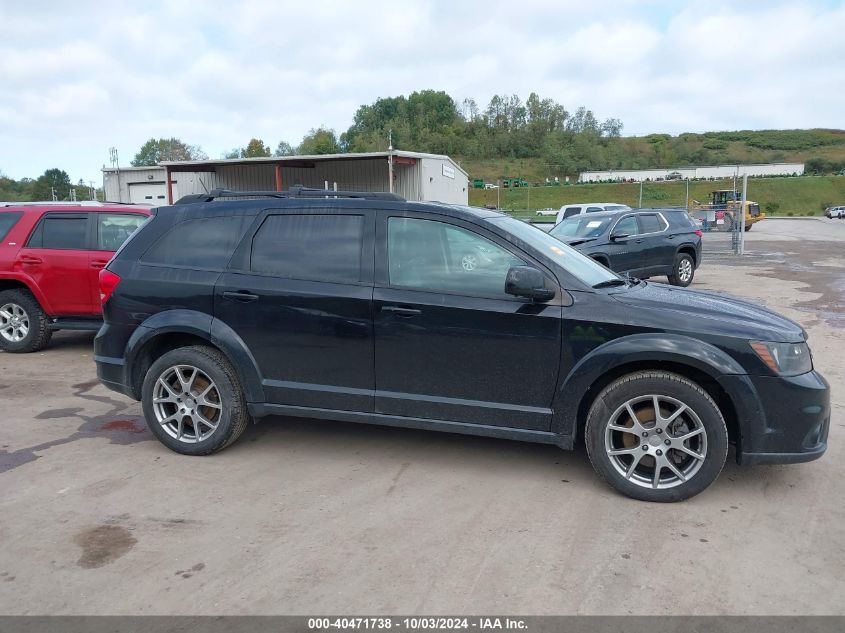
[(108, 282), (698, 232)]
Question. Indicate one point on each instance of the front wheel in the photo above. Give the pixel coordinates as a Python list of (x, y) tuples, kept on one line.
[(193, 401), (656, 436), (748, 227), (683, 272)]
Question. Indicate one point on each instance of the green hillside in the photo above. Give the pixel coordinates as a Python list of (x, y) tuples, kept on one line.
[(806, 195)]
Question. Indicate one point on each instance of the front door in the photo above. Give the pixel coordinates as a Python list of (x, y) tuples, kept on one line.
[(299, 294), (449, 343), (56, 258), (626, 254)]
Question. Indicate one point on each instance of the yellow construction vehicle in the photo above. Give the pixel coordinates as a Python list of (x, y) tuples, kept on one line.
[(723, 211)]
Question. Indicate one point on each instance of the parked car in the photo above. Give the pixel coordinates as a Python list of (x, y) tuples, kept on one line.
[(835, 212), (642, 243), (354, 308), (546, 211), (50, 256), (568, 210)]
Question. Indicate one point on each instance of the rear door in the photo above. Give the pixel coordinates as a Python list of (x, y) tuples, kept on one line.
[(659, 244), (299, 294), (56, 258)]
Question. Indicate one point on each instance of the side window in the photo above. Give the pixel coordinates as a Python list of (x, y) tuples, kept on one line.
[(317, 246), (113, 229), (7, 221), (627, 226), (201, 243), (65, 233), (594, 209), (570, 211), (432, 255), (651, 223)]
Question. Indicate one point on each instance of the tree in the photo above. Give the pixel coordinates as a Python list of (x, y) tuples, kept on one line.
[(155, 151), (53, 181), (321, 140), (284, 149), (255, 148)]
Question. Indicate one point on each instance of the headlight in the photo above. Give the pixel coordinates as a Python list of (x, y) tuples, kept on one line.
[(786, 359)]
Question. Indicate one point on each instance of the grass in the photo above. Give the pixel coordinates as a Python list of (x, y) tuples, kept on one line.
[(805, 195)]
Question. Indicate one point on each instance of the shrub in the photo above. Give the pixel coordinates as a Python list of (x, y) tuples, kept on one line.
[(790, 214), (772, 207)]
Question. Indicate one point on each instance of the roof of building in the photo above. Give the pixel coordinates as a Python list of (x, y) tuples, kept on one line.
[(186, 165)]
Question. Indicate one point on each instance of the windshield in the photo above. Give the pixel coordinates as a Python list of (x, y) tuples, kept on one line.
[(587, 270), (580, 226)]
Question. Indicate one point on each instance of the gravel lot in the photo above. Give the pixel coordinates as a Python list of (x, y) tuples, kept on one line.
[(312, 517)]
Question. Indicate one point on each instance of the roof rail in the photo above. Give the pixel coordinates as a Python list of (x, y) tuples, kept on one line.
[(293, 192), (64, 203)]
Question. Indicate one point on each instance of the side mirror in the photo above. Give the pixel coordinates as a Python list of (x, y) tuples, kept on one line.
[(528, 282), (618, 236)]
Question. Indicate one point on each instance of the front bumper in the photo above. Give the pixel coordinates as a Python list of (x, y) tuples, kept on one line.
[(781, 419)]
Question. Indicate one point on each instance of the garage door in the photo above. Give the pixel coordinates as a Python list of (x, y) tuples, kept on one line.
[(153, 193)]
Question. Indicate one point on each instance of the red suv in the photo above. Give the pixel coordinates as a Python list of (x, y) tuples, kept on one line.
[(50, 257)]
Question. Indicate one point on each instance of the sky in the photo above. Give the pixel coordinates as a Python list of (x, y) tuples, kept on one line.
[(77, 78)]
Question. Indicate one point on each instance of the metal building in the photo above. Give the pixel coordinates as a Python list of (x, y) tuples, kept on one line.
[(710, 171), (414, 175)]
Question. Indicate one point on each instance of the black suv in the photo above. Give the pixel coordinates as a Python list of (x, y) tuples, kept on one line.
[(360, 307), (641, 243)]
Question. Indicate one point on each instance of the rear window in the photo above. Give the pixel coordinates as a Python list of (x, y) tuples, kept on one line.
[(651, 223), (570, 211), (202, 243), (321, 247), (7, 221)]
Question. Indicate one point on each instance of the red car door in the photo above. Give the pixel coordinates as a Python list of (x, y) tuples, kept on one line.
[(110, 232), (56, 258)]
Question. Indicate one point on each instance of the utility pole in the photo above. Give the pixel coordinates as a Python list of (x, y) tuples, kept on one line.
[(529, 196), (640, 205), (686, 200), (742, 212), (53, 194), (390, 159), (498, 188)]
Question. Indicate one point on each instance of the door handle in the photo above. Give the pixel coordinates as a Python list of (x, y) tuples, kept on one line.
[(99, 264), (31, 259), (399, 310), (241, 295)]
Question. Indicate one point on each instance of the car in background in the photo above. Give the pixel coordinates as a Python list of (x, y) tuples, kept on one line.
[(51, 254), (568, 210), (835, 212), (642, 243), (546, 211)]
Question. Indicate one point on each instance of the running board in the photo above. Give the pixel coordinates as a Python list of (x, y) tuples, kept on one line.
[(84, 325)]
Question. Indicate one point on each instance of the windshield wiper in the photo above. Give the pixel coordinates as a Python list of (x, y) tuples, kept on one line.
[(581, 241), (610, 282)]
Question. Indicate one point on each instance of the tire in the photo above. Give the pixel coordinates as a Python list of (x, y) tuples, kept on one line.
[(683, 271), (172, 415), (748, 227), (24, 326), (629, 469)]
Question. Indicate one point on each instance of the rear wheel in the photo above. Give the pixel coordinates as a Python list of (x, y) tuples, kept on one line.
[(193, 401), (683, 272), (23, 325), (656, 436)]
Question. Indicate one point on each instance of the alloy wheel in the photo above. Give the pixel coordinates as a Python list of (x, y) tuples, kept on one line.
[(187, 403), (14, 322), (656, 441), (685, 270)]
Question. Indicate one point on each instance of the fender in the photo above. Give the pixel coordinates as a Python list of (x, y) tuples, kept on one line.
[(204, 326), (26, 280), (650, 347)]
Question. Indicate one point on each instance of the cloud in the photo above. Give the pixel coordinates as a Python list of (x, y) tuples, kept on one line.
[(76, 79)]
